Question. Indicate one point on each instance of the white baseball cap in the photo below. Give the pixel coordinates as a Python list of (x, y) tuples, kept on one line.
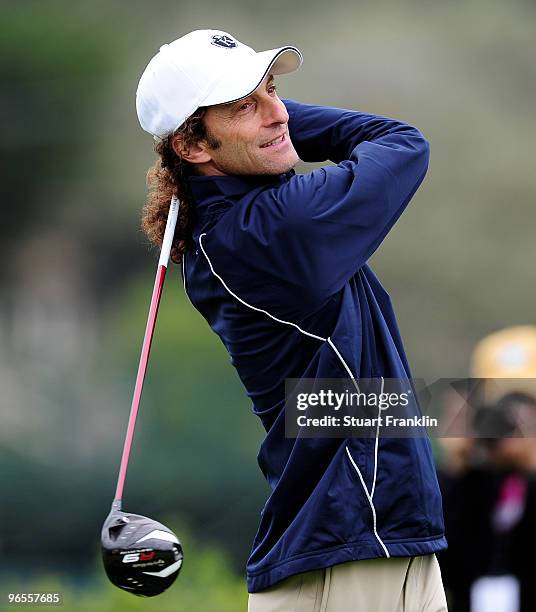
[(203, 68)]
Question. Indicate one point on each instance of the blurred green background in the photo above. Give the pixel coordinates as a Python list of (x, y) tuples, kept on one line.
[(77, 273)]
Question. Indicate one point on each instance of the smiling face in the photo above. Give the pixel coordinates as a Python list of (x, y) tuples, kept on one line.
[(246, 137)]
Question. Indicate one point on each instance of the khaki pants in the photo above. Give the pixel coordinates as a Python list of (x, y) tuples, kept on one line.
[(406, 584)]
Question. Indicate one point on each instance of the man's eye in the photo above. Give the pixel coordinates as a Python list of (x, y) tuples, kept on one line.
[(272, 88), (245, 106)]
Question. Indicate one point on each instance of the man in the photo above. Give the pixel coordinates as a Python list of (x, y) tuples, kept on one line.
[(276, 263)]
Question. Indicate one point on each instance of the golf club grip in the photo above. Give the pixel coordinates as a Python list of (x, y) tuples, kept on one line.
[(147, 340)]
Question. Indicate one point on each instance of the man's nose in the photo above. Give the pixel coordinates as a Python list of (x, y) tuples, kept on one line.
[(274, 111)]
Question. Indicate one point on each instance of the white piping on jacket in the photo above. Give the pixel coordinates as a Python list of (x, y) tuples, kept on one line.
[(254, 307), (330, 342), (369, 497)]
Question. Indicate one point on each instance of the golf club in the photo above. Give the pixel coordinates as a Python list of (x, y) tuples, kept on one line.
[(140, 555)]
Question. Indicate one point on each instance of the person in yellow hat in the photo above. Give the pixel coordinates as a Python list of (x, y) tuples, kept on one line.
[(508, 357), (489, 484)]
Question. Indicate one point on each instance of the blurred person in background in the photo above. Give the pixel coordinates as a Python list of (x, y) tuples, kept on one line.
[(488, 481)]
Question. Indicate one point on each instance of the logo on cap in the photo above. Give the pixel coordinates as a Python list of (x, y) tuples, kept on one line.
[(221, 40)]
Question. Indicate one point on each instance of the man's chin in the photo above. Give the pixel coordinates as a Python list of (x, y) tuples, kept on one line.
[(282, 167), (266, 169), (279, 170), (262, 166)]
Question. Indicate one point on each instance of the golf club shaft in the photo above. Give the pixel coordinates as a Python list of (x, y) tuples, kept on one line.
[(146, 347)]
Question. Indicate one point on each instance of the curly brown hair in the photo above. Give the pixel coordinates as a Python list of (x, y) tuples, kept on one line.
[(169, 176)]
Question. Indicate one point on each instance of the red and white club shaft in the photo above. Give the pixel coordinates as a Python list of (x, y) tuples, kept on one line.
[(146, 347)]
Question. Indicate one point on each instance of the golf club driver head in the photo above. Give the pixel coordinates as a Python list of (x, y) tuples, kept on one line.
[(140, 555)]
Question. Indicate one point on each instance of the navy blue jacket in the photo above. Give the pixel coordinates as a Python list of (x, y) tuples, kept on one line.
[(279, 271)]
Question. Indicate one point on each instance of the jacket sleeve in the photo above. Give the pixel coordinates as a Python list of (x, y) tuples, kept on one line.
[(303, 238), (340, 214)]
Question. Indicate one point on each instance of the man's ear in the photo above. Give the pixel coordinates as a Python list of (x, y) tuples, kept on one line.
[(195, 154)]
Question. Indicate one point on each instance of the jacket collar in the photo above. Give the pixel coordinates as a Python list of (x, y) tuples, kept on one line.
[(208, 189)]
